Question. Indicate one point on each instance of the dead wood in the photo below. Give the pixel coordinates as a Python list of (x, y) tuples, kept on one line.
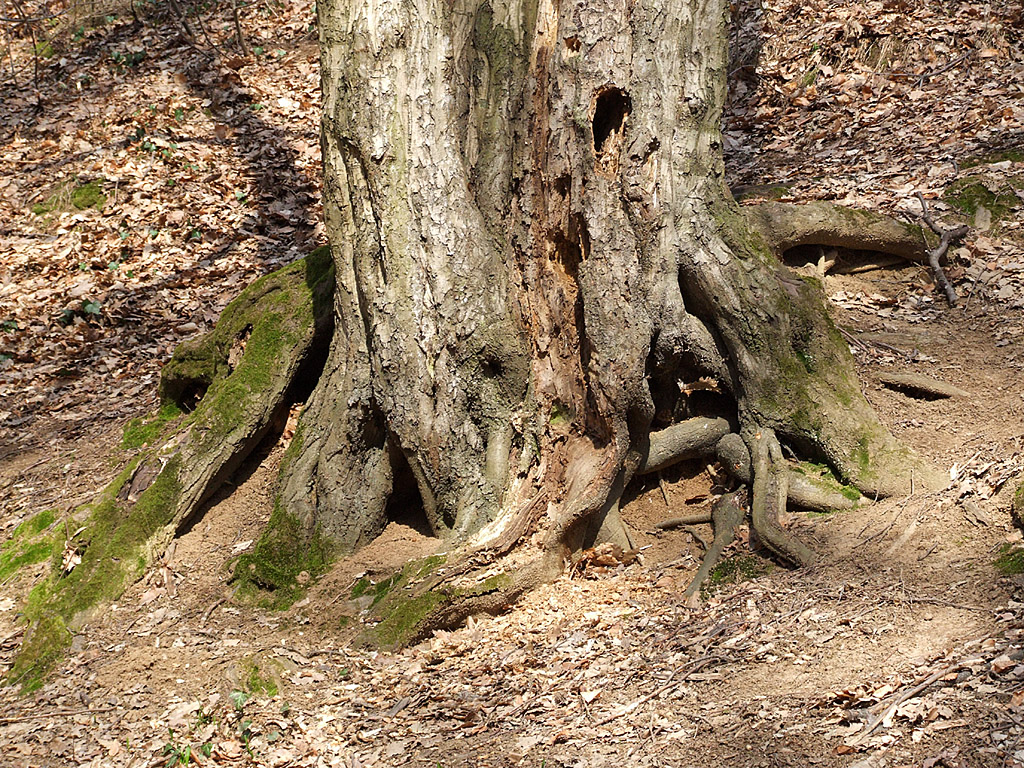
[(678, 522), (935, 254)]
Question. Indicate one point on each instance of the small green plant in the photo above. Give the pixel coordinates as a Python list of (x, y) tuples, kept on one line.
[(238, 699), (245, 734), (128, 60), (183, 754)]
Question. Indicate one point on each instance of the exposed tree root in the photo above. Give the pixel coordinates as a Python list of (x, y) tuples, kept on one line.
[(685, 440), (768, 499), (727, 513), (918, 385), (786, 226)]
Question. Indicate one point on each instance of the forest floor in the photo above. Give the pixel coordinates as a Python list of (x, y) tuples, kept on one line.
[(147, 181)]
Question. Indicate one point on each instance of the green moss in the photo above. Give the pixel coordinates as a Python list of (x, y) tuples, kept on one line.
[(113, 546), (1018, 501), (256, 683), (493, 583), (419, 569), (89, 195), (560, 414), (968, 194), (271, 574), (27, 545), (1010, 560), (737, 569), (360, 588), (861, 454), (269, 318), (46, 641), (32, 527), (140, 432), (402, 617), (68, 194), (401, 610), (999, 156), (824, 478), (119, 536)]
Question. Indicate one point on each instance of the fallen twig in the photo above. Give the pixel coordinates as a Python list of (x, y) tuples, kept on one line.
[(695, 666), (891, 709), (946, 237), (47, 715), (210, 610)]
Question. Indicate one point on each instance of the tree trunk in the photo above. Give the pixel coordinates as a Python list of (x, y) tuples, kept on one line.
[(535, 249), (543, 287)]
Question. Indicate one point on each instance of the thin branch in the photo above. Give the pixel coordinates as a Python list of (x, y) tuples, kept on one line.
[(891, 709), (946, 237), (238, 28), (32, 19)]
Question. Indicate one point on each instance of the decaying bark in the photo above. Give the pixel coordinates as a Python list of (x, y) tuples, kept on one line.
[(535, 258)]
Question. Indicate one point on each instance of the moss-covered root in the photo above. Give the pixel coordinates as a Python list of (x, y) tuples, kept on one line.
[(417, 602), (768, 499), (786, 226), (809, 490), (243, 372), (726, 515)]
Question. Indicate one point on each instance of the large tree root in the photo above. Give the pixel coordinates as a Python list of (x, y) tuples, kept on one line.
[(785, 226), (232, 385)]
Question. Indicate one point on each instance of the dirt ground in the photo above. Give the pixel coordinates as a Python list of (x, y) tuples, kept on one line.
[(783, 668), (905, 647)]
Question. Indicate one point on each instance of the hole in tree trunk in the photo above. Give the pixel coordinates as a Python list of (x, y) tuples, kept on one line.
[(405, 506), (613, 105)]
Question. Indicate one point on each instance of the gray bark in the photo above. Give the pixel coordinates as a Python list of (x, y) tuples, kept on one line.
[(534, 249)]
